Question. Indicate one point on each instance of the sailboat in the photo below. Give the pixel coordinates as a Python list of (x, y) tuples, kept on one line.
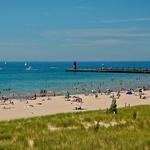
[(29, 68), (5, 62), (25, 64)]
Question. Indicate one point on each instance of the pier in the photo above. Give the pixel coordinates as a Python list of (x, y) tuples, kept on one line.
[(108, 70), (144, 71)]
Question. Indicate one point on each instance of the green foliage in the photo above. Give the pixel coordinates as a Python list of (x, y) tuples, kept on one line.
[(134, 115), (72, 131), (97, 127), (107, 110)]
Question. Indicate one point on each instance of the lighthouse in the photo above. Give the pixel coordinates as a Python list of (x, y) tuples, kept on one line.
[(74, 66)]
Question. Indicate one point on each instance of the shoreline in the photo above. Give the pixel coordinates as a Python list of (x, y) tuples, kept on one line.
[(50, 105), (72, 91)]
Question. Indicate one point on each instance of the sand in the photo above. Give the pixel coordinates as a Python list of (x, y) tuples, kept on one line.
[(53, 105)]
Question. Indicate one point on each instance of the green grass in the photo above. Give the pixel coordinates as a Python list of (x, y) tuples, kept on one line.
[(71, 134)]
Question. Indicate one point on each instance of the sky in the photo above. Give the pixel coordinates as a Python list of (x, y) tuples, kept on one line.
[(68, 30)]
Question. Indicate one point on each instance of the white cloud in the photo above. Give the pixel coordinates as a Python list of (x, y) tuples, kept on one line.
[(125, 20), (110, 42), (100, 37), (82, 7), (142, 19), (5, 44), (105, 43), (78, 33), (113, 21)]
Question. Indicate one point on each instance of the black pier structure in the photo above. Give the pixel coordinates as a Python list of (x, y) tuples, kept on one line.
[(108, 70)]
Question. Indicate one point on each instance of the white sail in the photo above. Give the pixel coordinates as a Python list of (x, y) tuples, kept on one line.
[(29, 68)]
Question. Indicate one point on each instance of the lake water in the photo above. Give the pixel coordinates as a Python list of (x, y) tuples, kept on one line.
[(52, 76)]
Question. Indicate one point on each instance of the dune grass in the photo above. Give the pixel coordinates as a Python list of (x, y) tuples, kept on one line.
[(92, 130)]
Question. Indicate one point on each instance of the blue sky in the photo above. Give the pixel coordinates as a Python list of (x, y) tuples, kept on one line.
[(49, 30)]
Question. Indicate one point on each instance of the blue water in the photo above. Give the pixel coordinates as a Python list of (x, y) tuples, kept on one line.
[(52, 76)]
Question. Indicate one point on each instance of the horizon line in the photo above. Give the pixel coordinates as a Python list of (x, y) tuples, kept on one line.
[(75, 60)]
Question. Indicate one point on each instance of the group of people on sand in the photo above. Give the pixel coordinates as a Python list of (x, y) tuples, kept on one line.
[(131, 92), (118, 94), (74, 99), (141, 94), (77, 99), (6, 100), (97, 91), (43, 92)]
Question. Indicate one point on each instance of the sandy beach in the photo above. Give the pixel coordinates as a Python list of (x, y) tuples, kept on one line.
[(58, 104)]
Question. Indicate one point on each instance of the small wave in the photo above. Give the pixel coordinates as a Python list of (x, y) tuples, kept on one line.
[(35, 69), (1, 68), (53, 67), (31, 69)]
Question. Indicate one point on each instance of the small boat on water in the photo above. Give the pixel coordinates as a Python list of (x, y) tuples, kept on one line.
[(25, 64), (29, 68)]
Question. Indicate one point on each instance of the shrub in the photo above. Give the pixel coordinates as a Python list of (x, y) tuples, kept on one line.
[(113, 107), (134, 115), (97, 126)]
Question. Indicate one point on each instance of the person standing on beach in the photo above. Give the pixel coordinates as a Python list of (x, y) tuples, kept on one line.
[(35, 96), (140, 93), (68, 95), (96, 95), (118, 94)]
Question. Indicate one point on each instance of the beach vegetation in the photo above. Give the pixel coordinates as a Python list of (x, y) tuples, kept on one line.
[(79, 131), (113, 107), (134, 115)]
